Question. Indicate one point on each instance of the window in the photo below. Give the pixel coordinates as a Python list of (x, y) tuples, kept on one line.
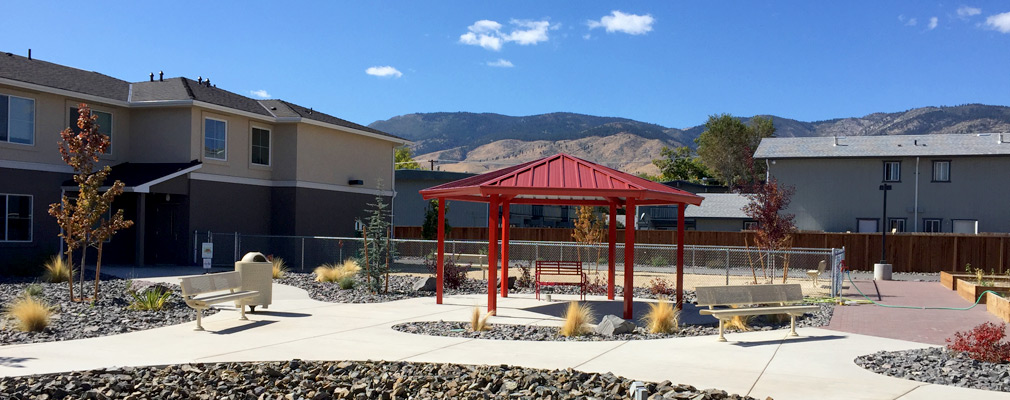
[(215, 138), (866, 225), (896, 225), (17, 221), (17, 119), (931, 224), (965, 226), (102, 119), (892, 171), (941, 171), (260, 146), (750, 225)]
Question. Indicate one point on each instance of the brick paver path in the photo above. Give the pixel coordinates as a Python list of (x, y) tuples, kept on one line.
[(917, 325)]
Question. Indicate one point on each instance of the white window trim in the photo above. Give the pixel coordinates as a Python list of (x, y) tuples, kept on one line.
[(898, 169), (34, 122), (939, 162), (204, 146), (31, 217), (939, 224), (900, 220), (270, 146)]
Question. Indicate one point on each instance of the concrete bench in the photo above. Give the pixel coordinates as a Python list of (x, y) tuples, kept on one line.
[(560, 273), (775, 297), (202, 291)]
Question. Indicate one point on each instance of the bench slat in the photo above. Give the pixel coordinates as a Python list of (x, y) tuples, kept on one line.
[(748, 294), (759, 311), (224, 297)]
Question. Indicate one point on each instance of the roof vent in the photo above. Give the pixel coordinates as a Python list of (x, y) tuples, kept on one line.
[(837, 143), (207, 82), (161, 76), (199, 79), (152, 77), (29, 54)]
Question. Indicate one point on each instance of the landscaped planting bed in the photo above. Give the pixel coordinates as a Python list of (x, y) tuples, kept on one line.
[(297, 379), (78, 320), (940, 366)]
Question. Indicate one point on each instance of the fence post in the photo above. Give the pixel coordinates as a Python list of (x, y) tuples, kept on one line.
[(303, 254), (536, 251), (236, 246), (196, 246), (727, 266)]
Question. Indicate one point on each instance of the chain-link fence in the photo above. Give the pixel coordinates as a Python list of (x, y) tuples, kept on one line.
[(703, 265)]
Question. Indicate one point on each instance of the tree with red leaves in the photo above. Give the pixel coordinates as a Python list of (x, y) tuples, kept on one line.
[(775, 228), (82, 218)]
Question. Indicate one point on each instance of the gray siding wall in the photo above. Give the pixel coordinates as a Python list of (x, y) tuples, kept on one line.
[(44, 187), (409, 209), (831, 194)]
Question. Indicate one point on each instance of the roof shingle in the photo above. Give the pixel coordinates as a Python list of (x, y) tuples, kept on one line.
[(885, 146)]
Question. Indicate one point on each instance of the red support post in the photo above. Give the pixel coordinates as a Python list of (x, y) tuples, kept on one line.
[(505, 249), (629, 257), (440, 269), (612, 250), (680, 255), (492, 253)]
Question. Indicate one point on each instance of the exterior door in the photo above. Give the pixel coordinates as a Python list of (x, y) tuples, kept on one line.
[(966, 226), (867, 226), (166, 240)]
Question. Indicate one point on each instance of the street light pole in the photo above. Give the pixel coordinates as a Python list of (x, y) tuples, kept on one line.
[(883, 238)]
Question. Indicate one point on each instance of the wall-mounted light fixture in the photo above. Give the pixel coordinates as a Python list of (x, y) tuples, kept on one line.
[(355, 182)]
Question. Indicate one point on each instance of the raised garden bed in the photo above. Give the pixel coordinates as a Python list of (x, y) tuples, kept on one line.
[(998, 306), (949, 278), (969, 290)]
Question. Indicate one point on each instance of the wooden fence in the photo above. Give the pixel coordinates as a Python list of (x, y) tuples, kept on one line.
[(908, 252)]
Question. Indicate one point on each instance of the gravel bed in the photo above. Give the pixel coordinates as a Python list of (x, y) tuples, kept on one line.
[(322, 380), (79, 320), (550, 333), (939, 366)]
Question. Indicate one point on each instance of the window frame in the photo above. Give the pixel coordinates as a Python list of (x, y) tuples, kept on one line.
[(927, 221), (225, 122), (753, 225), (902, 221), (953, 222), (34, 117), (935, 163), (31, 218), (112, 124), (270, 145), (875, 220), (896, 163)]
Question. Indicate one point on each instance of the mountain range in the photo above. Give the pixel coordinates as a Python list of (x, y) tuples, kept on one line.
[(478, 142)]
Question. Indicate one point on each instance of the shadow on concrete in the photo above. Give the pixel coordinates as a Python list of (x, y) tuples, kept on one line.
[(237, 329), (282, 314), (688, 316), (14, 362), (790, 340)]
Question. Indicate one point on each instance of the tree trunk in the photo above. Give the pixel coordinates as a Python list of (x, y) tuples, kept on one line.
[(84, 256), (98, 270), (70, 261), (753, 271)]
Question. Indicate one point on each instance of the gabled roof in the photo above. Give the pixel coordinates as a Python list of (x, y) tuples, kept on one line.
[(939, 145), (38, 72), (560, 179), (139, 177), (720, 205)]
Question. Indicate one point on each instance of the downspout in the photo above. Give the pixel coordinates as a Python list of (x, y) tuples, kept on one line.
[(768, 170), (915, 211)]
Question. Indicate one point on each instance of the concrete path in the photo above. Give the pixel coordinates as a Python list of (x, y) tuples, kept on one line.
[(816, 366)]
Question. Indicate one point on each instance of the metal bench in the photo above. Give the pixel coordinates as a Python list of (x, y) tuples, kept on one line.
[(473, 260), (777, 295), (561, 273), (202, 291)]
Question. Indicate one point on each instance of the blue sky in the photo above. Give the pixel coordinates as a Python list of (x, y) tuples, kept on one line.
[(670, 63)]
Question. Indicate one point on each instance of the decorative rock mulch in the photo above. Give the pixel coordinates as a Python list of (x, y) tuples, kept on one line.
[(549, 333), (318, 380), (78, 320), (940, 366)]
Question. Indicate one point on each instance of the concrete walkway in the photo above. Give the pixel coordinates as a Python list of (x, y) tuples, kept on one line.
[(816, 366)]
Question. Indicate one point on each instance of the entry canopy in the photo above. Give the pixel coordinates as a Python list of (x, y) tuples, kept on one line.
[(560, 179)]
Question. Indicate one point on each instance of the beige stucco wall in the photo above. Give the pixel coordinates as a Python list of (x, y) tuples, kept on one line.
[(238, 162), (334, 157), (160, 135), (284, 152), (52, 116)]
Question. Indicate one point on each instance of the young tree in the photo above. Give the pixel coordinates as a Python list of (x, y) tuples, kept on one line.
[(588, 229), (429, 229), (727, 144), (82, 218), (775, 228), (681, 163), (404, 159), (377, 246)]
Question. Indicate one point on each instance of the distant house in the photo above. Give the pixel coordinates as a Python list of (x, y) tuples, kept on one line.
[(193, 158), (719, 212), (939, 183)]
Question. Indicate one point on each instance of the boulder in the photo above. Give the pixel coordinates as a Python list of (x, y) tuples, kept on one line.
[(425, 285), (512, 283), (611, 325)]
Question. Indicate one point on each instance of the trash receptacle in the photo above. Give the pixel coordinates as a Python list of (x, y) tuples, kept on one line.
[(257, 274)]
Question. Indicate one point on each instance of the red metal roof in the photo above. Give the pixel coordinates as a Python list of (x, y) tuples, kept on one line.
[(560, 179)]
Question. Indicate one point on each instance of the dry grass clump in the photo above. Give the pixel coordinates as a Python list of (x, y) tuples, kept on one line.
[(30, 313), (662, 317), (577, 320), (739, 322), (279, 267), (336, 273), (57, 270), (479, 323)]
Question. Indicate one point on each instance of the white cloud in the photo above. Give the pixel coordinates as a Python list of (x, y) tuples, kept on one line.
[(503, 63), (489, 34), (912, 22), (627, 23), (384, 71), (933, 21), (999, 22), (260, 93), (965, 11)]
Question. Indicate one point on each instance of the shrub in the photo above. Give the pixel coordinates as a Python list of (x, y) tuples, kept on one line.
[(478, 323), (662, 317), (983, 343), (346, 283), (153, 299), (597, 286), (279, 267), (577, 320), (31, 314), (455, 274), (57, 270), (662, 287), (336, 273), (34, 290), (525, 279), (659, 261)]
